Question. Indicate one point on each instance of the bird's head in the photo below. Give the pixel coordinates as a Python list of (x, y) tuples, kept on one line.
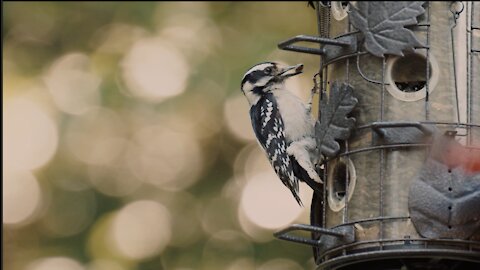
[(266, 77)]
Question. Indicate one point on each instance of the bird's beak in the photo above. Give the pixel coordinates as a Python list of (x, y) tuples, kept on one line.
[(290, 71)]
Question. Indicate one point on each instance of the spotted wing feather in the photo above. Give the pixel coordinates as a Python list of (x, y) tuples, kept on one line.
[(270, 131)]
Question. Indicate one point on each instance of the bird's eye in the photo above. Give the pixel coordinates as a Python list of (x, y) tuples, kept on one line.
[(268, 70)]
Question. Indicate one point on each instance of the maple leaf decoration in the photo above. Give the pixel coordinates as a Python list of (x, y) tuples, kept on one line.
[(445, 194), (382, 24), (443, 202), (334, 123)]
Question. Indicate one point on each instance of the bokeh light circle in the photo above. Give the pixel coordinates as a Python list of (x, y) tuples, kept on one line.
[(115, 179), (154, 70), (72, 84), (280, 264), (237, 117), (105, 264), (55, 263), (21, 196), (242, 264), (96, 137), (141, 229), (267, 202), (30, 136), (223, 247), (165, 158)]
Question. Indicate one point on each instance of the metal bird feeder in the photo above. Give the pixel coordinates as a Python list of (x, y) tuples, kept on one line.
[(399, 86)]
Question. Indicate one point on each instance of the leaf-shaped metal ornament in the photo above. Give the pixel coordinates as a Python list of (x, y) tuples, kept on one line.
[(444, 196), (382, 24), (444, 202), (334, 124)]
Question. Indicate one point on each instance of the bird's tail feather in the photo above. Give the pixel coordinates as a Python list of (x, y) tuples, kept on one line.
[(303, 175), (295, 194)]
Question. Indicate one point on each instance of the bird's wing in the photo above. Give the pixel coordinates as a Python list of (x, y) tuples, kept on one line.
[(270, 131)]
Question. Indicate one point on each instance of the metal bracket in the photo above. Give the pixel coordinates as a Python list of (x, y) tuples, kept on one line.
[(334, 52), (333, 47), (329, 237), (401, 132)]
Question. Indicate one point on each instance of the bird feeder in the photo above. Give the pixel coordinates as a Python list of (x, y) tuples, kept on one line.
[(399, 134)]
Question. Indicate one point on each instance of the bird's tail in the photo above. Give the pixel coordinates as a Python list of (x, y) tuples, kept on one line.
[(303, 175), (295, 194), (295, 191)]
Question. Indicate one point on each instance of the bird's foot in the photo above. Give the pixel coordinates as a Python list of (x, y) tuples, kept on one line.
[(316, 186)]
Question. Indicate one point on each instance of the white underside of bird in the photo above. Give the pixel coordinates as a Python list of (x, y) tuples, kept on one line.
[(299, 130)]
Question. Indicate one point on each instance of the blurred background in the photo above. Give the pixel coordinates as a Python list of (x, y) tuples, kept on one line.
[(127, 141)]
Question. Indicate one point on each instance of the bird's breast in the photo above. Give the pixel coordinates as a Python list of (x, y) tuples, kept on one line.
[(297, 121)]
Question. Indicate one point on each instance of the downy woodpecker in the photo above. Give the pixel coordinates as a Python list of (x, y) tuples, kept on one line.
[(282, 124)]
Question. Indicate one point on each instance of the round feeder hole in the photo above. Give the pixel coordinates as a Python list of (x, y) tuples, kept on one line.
[(406, 76), (341, 180)]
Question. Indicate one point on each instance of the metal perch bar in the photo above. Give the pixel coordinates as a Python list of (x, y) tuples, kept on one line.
[(380, 127), (283, 234), (286, 45)]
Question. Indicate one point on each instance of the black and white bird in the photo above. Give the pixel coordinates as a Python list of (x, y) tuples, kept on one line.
[(282, 124)]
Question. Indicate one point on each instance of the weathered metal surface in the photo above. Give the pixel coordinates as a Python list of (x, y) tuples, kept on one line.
[(327, 242), (413, 258), (382, 24), (401, 132), (383, 179), (474, 70), (389, 145), (330, 238), (384, 176), (334, 52)]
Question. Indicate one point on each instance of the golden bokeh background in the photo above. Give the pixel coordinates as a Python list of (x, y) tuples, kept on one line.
[(127, 141)]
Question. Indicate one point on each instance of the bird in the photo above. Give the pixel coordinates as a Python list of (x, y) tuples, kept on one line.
[(282, 124)]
